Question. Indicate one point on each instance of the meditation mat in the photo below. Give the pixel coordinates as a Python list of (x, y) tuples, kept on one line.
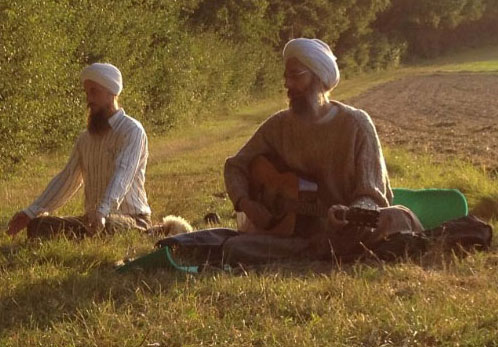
[(432, 206), (199, 249), (160, 258)]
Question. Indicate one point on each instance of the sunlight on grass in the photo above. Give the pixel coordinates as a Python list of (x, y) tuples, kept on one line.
[(476, 60)]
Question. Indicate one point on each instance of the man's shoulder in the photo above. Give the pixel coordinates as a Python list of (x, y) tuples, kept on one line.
[(83, 136), (277, 117), (130, 124), (356, 115), (349, 109)]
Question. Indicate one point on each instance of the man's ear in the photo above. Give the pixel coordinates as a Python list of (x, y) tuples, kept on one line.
[(115, 99)]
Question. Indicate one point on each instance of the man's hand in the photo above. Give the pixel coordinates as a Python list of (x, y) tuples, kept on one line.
[(18, 222), (256, 212), (96, 222), (335, 214)]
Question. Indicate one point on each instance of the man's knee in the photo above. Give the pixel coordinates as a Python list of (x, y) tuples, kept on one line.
[(40, 227), (399, 218), (49, 226)]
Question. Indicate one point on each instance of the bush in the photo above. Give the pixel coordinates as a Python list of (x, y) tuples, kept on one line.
[(181, 59), (171, 73)]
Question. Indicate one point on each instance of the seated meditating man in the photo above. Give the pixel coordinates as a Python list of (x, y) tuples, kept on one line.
[(331, 145), (109, 159)]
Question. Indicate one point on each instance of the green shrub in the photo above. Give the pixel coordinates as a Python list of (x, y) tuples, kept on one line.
[(172, 73), (182, 59)]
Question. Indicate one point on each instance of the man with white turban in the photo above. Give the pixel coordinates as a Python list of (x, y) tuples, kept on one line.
[(329, 143), (109, 159)]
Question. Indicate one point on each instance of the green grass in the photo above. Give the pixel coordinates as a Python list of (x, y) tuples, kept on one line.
[(481, 60), (476, 60), (64, 293)]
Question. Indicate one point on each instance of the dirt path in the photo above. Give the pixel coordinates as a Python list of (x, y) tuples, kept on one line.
[(442, 114)]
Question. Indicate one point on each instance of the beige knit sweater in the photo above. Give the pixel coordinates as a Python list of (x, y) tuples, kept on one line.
[(342, 155)]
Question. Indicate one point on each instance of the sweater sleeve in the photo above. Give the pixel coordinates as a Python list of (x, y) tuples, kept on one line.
[(372, 187), (236, 172)]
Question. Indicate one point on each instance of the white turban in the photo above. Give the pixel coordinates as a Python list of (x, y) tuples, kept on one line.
[(107, 75), (317, 56)]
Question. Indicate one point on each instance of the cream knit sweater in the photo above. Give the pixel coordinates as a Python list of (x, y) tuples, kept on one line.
[(342, 155)]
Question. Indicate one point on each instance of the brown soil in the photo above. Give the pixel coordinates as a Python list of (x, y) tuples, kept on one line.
[(442, 114)]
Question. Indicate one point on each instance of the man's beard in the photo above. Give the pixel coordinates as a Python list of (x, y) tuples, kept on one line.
[(306, 104), (98, 123)]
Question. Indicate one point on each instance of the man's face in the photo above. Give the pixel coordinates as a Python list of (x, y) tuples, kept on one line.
[(303, 89), (98, 98), (297, 78), (100, 102)]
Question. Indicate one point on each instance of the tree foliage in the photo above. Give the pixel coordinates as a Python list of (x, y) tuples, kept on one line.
[(180, 59), (427, 26)]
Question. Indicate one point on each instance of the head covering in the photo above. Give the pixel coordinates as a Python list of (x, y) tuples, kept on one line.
[(107, 75), (316, 56)]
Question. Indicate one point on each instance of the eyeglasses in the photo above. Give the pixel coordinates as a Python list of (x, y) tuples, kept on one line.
[(295, 75)]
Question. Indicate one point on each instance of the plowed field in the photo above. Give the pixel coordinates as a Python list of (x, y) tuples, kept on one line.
[(444, 115)]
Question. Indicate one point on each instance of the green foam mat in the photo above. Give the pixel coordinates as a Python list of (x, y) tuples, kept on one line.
[(160, 258), (432, 206)]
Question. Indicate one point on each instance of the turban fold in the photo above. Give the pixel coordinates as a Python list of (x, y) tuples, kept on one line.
[(317, 56), (107, 75)]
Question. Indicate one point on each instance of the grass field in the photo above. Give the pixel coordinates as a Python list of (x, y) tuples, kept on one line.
[(67, 293)]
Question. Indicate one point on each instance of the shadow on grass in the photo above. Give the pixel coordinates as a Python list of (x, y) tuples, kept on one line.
[(71, 286), (436, 256), (8, 253), (82, 284)]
